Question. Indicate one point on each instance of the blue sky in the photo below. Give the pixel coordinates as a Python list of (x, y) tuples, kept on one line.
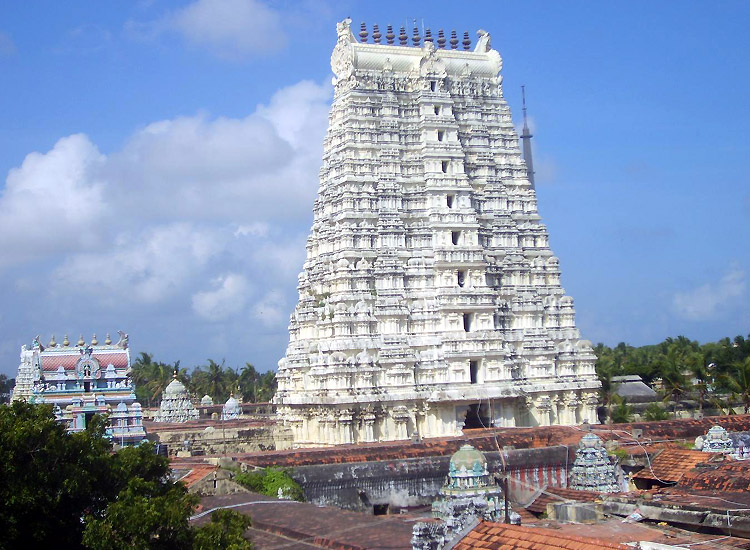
[(158, 163)]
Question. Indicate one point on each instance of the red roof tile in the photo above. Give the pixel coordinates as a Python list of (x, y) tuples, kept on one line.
[(52, 361), (671, 464), (500, 536)]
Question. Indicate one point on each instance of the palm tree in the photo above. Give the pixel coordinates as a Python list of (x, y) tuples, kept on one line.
[(738, 382), (249, 383), (673, 377)]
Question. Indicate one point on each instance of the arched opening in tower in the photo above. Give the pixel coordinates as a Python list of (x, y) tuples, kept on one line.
[(476, 417)]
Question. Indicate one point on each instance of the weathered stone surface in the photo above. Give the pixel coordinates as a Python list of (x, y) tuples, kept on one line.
[(430, 298)]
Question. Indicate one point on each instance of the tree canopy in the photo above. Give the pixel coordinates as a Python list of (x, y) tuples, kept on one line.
[(684, 369), (63, 490), (215, 379)]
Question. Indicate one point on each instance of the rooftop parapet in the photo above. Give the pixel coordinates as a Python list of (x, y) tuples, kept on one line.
[(426, 56)]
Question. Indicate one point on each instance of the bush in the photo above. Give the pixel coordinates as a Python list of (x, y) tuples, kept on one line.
[(655, 412), (268, 482)]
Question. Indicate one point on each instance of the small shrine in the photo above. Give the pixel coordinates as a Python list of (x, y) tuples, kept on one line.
[(469, 485), (81, 381), (593, 469), (207, 401), (231, 409), (176, 405), (716, 440)]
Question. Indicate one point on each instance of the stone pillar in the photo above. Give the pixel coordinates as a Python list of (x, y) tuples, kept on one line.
[(401, 418), (368, 426), (345, 426)]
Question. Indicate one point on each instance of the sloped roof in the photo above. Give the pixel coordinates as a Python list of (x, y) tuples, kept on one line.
[(553, 495), (726, 476), (500, 536), (51, 360), (671, 464)]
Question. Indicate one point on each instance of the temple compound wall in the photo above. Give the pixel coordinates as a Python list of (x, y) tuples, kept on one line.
[(430, 300)]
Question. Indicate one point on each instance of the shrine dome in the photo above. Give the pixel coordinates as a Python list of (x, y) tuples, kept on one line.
[(468, 457), (232, 409), (175, 388)]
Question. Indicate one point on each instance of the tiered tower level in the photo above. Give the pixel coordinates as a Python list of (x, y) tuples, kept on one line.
[(430, 300)]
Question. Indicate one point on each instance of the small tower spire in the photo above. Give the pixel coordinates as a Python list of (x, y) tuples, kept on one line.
[(526, 140)]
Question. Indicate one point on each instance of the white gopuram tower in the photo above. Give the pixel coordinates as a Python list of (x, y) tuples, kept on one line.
[(430, 300)]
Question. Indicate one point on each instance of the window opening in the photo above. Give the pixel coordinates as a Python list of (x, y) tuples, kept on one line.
[(467, 322), (454, 236), (449, 200), (437, 109), (380, 509), (461, 277), (441, 135), (473, 371), (444, 166), (476, 417), (87, 387), (432, 86)]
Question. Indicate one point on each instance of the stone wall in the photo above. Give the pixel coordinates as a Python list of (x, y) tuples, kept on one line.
[(216, 438), (416, 482)]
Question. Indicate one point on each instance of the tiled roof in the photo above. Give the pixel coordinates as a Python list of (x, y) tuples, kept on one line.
[(316, 526), (496, 438), (671, 464), (500, 536), (560, 494), (51, 361), (197, 473), (718, 476)]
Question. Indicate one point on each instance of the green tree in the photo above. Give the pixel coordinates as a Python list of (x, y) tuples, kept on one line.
[(62, 490), (151, 377), (737, 382), (655, 412), (146, 515), (623, 412), (6, 386), (226, 530), (269, 480), (49, 479)]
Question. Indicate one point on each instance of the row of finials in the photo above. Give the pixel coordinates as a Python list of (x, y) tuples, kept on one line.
[(416, 38)]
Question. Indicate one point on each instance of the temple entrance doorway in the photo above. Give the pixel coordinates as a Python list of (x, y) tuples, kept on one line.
[(476, 417)]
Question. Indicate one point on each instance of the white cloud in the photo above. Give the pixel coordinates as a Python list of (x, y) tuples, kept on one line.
[(228, 298), (53, 203), (229, 29), (272, 310), (148, 267), (225, 168), (706, 301)]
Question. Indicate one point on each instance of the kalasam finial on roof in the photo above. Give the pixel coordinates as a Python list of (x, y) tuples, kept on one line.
[(52, 342), (466, 41), (66, 342), (389, 36), (441, 39), (376, 34), (415, 38), (81, 341), (403, 39), (108, 340), (427, 36), (94, 341), (363, 32), (454, 40)]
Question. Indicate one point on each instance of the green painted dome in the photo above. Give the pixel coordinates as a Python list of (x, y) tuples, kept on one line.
[(466, 457)]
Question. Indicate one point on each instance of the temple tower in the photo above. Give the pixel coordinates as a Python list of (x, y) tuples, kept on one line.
[(430, 300)]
